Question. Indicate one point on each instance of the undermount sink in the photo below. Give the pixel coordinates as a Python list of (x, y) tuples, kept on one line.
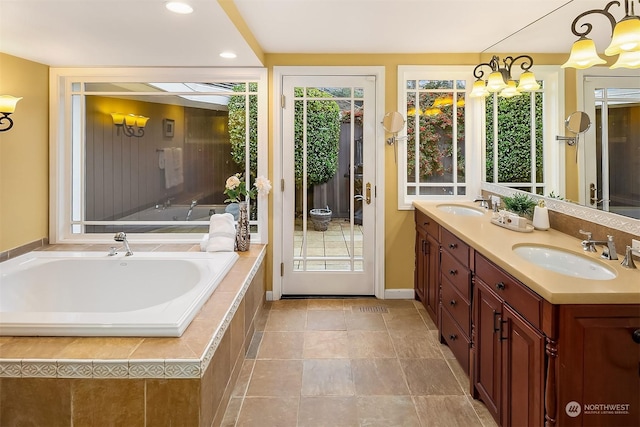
[(565, 262), (460, 210)]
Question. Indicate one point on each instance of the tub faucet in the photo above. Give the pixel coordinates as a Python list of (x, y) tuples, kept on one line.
[(194, 203), (484, 203), (122, 237), (589, 245)]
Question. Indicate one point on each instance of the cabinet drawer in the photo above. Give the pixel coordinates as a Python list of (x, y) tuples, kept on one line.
[(423, 221), (456, 273), (514, 293), (457, 341), (457, 248), (458, 307)]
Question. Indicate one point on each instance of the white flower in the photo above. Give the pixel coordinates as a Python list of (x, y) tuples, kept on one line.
[(263, 185), (232, 182)]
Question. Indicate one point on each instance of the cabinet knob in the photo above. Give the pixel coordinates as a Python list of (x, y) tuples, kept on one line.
[(500, 286), (453, 272), (426, 223), (453, 302), (453, 337), (636, 336), (453, 245)]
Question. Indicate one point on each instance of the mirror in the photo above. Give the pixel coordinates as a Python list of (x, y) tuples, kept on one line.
[(578, 122), (393, 122)]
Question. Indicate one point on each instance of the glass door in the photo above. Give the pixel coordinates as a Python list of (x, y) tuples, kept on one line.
[(328, 210)]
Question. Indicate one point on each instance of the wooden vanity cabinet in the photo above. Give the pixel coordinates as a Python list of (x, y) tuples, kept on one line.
[(426, 279), (509, 347)]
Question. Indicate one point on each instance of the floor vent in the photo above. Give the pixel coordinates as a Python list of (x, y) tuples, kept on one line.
[(373, 309)]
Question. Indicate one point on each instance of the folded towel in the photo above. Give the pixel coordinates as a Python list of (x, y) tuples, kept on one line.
[(178, 175), (222, 233), (173, 170)]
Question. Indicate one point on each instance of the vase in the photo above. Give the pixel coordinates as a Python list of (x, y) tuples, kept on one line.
[(243, 234)]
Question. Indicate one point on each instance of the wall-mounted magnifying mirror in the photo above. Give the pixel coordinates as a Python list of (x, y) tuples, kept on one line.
[(578, 122), (393, 122)]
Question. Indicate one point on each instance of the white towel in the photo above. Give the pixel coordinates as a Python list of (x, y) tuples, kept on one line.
[(168, 167), (222, 233), (173, 174), (178, 176)]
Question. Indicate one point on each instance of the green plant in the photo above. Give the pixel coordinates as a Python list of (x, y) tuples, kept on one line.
[(520, 204), (237, 126)]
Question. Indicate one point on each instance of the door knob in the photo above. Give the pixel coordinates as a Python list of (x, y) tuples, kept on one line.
[(636, 336)]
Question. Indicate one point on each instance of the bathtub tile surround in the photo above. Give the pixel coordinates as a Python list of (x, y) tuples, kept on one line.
[(125, 381), (21, 250)]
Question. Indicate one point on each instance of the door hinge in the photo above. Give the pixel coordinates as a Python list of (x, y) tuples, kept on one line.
[(282, 184), (282, 99), (281, 269)]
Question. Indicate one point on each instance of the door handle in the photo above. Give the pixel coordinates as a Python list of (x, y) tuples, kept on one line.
[(368, 193), (359, 197)]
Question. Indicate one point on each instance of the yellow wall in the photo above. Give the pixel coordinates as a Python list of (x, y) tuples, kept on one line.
[(24, 154)]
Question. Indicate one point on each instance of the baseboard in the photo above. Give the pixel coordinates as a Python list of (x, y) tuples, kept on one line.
[(269, 296), (399, 294)]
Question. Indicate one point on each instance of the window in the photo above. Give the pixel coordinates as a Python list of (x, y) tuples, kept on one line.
[(148, 151), (435, 160)]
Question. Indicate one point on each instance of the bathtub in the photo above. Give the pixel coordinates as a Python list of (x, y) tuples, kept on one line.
[(175, 213), (149, 294)]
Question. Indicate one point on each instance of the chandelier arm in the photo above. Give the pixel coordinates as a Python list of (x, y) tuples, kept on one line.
[(526, 64), (588, 27), (477, 71), (9, 124), (128, 130)]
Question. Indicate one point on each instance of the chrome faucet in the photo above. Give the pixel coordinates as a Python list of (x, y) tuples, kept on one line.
[(627, 262), (589, 245), (484, 203), (122, 237), (194, 203)]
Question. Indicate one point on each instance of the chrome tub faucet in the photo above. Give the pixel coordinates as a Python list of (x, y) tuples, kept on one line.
[(122, 237), (194, 203)]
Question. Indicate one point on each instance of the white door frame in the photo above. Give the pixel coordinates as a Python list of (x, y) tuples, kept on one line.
[(278, 75)]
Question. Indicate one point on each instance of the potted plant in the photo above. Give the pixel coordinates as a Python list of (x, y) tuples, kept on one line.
[(520, 204)]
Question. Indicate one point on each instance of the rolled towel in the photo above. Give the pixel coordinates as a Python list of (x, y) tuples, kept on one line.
[(204, 242), (222, 233)]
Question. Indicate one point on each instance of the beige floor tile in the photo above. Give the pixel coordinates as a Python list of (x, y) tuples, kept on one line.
[(415, 345), (378, 377), (404, 320), (232, 412), (326, 320), (281, 345), (268, 412), (430, 377), (326, 304), (446, 411), (461, 376), (325, 345), (328, 411), (285, 320), (386, 411), (483, 413), (280, 378), (327, 377), (370, 344), (243, 379), (357, 321), (289, 304)]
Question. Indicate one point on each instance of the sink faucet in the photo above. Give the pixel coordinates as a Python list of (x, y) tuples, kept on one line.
[(589, 245), (190, 211), (484, 203), (122, 237)]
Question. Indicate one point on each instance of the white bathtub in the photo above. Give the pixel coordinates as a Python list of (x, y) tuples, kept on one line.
[(91, 294)]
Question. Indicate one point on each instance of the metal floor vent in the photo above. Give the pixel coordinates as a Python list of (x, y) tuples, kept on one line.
[(373, 309)]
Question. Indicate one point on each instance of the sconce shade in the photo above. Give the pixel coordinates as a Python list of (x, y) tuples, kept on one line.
[(442, 101), (627, 60), (510, 90), (8, 104), (626, 36), (479, 90), (412, 112), (130, 120), (583, 55), (496, 82), (141, 121), (118, 118), (528, 82), (432, 111)]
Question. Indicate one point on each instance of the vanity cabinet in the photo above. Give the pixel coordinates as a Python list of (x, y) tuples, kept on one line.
[(426, 280), (509, 368), (455, 296)]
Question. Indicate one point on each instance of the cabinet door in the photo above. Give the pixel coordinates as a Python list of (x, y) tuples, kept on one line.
[(421, 265), (487, 315), (432, 276), (522, 376)]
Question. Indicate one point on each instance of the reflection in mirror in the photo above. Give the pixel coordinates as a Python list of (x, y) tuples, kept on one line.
[(578, 122), (393, 122)]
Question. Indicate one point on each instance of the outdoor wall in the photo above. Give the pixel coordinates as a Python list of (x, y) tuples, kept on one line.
[(24, 154)]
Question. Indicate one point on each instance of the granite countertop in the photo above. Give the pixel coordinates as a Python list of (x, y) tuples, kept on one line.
[(496, 243)]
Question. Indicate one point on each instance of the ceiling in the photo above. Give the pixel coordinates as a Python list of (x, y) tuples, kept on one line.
[(102, 33)]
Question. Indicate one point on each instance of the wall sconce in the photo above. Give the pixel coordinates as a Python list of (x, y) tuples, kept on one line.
[(500, 80), (625, 41), (7, 107), (130, 124)]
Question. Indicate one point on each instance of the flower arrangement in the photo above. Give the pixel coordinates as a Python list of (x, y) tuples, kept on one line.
[(236, 188)]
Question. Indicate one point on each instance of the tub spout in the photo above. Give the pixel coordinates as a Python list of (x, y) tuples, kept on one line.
[(122, 237), (194, 203)]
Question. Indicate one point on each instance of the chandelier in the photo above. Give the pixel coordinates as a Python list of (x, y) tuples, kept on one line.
[(501, 80)]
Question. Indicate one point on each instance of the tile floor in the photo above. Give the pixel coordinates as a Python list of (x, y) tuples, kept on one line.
[(335, 242), (350, 362)]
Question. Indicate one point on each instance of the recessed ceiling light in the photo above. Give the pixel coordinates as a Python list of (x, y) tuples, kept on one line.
[(179, 7), (228, 55)]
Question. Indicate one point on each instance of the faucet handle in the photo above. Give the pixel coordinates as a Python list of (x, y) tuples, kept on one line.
[(586, 233)]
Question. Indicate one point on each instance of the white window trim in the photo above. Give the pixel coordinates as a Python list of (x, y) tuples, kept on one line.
[(472, 151), (60, 137)]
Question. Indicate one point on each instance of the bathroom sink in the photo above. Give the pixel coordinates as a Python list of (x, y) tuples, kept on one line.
[(565, 262), (460, 210)]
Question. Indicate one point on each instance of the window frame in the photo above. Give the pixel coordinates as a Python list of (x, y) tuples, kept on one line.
[(61, 173)]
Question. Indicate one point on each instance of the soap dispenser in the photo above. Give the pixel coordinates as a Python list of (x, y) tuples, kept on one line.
[(541, 216)]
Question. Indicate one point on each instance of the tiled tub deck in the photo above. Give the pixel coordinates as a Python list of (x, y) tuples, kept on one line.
[(64, 381)]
